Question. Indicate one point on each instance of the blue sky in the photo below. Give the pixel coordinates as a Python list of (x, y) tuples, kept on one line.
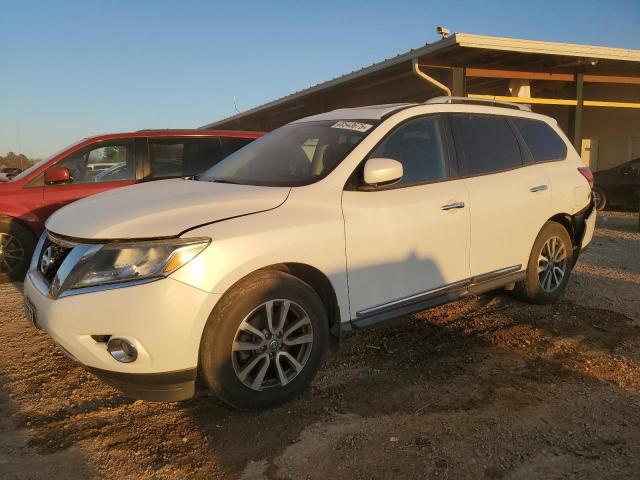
[(69, 69)]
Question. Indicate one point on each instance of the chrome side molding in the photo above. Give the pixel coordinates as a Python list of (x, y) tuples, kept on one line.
[(417, 298), (455, 287)]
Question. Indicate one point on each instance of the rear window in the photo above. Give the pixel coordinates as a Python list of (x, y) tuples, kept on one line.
[(486, 143), (544, 143), (232, 144), (183, 157)]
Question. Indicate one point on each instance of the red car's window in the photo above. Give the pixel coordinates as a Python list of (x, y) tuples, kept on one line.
[(107, 163), (183, 157)]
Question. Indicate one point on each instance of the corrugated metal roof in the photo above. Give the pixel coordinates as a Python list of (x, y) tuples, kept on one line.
[(401, 57), (548, 48), (458, 39)]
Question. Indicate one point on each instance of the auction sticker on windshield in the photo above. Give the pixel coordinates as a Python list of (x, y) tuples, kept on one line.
[(357, 126)]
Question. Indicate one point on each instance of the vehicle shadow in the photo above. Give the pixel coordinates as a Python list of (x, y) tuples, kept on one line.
[(465, 376), (18, 461), (17, 458), (491, 354)]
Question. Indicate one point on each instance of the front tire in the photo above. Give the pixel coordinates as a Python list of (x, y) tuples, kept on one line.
[(549, 266), (17, 244), (264, 342)]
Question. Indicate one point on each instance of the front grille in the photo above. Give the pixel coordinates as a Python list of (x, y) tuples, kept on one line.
[(50, 259)]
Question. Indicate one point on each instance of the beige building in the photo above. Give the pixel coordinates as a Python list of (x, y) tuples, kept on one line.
[(593, 92)]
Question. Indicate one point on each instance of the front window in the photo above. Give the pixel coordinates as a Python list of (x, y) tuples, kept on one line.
[(419, 146), (107, 163), (293, 155)]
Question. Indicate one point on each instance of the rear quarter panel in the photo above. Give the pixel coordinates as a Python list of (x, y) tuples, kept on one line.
[(570, 191)]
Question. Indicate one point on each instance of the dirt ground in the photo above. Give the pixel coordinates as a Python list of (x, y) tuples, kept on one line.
[(487, 387)]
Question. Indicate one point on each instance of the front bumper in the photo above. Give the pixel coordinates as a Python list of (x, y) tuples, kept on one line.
[(589, 228), (156, 387), (584, 225), (163, 319)]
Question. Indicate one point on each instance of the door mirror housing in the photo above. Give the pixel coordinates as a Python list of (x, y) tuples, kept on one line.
[(57, 175), (382, 171)]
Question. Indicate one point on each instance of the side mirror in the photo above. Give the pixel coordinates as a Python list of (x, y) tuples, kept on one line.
[(382, 171), (56, 175)]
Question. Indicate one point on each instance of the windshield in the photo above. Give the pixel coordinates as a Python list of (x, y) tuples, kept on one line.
[(293, 155)]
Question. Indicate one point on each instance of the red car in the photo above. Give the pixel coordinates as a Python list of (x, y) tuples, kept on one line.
[(94, 165)]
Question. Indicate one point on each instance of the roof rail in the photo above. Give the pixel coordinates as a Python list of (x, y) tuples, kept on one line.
[(478, 101)]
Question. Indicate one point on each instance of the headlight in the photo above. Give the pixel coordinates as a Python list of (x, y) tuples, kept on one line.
[(124, 262)]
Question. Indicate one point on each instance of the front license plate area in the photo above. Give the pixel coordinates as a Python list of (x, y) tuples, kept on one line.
[(30, 312)]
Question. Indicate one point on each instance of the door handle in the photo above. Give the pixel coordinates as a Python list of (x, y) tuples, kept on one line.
[(451, 206), (539, 188)]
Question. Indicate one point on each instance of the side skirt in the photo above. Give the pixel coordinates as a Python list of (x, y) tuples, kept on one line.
[(432, 298)]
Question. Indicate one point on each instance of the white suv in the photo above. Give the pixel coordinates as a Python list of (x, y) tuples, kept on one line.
[(333, 222)]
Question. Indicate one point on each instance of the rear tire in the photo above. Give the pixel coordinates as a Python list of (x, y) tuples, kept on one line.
[(599, 198), (549, 266), (264, 342), (17, 244)]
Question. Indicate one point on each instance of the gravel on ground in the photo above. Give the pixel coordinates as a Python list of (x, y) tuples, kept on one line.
[(487, 387)]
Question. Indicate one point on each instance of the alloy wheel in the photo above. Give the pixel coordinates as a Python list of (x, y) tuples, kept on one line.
[(552, 264), (11, 253), (272, 345)]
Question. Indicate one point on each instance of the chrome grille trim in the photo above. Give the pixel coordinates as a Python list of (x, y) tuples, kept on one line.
[(59, 241), (66, 271)]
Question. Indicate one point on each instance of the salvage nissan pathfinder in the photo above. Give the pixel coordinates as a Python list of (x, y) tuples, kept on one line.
[(333, 222)]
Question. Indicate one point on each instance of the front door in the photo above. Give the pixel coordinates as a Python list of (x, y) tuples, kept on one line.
[(411, 237)]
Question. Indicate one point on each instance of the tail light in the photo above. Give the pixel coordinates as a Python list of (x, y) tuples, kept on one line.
[(586, 173)]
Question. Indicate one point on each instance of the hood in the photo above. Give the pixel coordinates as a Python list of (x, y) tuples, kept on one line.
[(160, 209)]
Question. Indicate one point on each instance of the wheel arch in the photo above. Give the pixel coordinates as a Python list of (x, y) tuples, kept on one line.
[(320, 283), (309, 274), (567, 221), (575, 225), (23, 224)]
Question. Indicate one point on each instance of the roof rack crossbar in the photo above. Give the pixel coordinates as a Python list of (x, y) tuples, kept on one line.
[(478, 101)]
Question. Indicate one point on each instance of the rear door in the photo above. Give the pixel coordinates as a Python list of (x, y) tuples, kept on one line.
[(510, 198), (94, 169)]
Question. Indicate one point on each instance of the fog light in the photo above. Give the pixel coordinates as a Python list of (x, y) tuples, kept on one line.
[(122, 350)]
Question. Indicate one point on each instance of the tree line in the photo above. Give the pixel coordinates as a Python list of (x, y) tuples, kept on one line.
[(16, 160)]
